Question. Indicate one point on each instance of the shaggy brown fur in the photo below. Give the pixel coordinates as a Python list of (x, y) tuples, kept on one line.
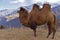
[(38, 17), (23, 16)]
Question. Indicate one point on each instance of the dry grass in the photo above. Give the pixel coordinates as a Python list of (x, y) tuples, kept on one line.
[(26, 34)]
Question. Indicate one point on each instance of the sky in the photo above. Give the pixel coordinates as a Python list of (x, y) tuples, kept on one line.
[(14, 4)]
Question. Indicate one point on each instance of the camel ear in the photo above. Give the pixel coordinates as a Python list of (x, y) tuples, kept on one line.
[(21, 8)]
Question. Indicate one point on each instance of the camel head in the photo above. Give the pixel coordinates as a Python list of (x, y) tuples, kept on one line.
[(23, 12), (47, 6), (23, 16)]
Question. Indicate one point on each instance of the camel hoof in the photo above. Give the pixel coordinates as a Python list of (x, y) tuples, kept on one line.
[(34, 35), (52, 38), (47, 37)]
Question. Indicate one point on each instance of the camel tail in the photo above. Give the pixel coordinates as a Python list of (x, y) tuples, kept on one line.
[(54, 19)]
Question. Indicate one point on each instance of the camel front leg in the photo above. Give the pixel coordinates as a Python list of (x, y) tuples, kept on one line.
[(34, 32), (33, 27)]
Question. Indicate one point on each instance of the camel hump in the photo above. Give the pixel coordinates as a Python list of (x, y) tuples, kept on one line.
[(54, 19), (35, 5), (47, 6)]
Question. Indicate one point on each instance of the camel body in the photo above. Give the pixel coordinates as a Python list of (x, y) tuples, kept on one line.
[(38, 17)]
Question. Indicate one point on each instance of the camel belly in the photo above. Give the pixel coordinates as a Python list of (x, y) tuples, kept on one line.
[(40, 22)]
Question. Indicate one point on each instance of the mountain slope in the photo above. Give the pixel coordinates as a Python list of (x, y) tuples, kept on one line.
[(57, 9), (13, 23)]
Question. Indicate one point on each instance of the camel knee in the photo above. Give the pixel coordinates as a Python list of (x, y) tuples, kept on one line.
[(49, 33), (54, 31)]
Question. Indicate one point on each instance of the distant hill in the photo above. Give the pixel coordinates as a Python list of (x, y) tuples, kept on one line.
[(57, 11), (13, 23), (7, 12)]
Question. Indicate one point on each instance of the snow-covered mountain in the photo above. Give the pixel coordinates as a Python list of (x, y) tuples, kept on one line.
[(7, 12)]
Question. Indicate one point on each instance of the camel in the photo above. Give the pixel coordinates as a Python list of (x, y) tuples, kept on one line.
[(38, 17)]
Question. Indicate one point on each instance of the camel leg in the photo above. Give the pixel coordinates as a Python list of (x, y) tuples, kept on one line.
[(50, 31), (34, 32), (54, 31), (33, 27)]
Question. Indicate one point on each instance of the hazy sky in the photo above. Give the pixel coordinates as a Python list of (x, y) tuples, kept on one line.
[(13, 4)]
